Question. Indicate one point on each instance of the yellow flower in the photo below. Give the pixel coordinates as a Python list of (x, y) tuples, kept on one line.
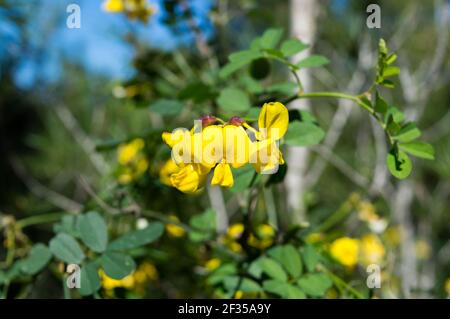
[(132, 160), (239, 294), (169, 168), (345, 250), (366, 211), (133, 9), (113, 6), (372, 250), (447, 286), (423, 250), (222, 176), (393, 236), (189, 179), (235, 231), (136, 281), (221, 147), (173, 229), (109, 283), (263, 237), (212, 264), (128, 152), (272, 123)]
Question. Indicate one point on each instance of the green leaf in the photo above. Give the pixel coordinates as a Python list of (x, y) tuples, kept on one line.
[(283, 87), (292, 46), (238, 60), (311, 257), (242, 178), (232, 283), (68, 224), (252, 114), (407, 133), (138, 238), (220, 273), (391, 71), (272, 268), (66, 248), (233, 100), (303, 134), (419, 149), (399, 164), (89, 279), (38, 257), (283, 289), (315, 285), (117, 265), (289, 258), (2, 277), (166, 107), (380, 104), (204, 226), (270, 38), (313, 61), (93, 231), (395, 114), (245, 56)]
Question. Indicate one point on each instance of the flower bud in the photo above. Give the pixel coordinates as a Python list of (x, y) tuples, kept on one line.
[(236, 120), (208, 120)]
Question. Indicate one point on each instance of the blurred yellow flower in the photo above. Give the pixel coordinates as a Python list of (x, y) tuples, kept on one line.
[(129, 151), (423, 249), (132, 160), (372, 250), (175, 230), (447, 286), (239, 294), (133, 9), (314, 238), (235, 231), (212, 264), (136, 281), (393, 236), (264, 237), (113, 5), (345, 250)]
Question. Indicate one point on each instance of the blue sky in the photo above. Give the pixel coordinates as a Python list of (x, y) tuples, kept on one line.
[(97, 45)]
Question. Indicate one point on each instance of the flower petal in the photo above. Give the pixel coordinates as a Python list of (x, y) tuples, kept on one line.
[(273, 120)]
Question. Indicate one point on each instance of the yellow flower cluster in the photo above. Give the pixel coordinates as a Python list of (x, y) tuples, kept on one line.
[(219, 147), (447, 286), (136, 281), (367, 213), (132, 160), (133, 9), (350, 251), (174, 230), (262, 237)]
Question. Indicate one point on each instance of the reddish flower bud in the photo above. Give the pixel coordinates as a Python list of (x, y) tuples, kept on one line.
[(236, 120), (208, 120)]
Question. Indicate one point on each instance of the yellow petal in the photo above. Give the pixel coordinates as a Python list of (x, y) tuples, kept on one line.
[(236, 145), (167, 170), (187, 180), (113, 6), (222, 176), (273, 120)]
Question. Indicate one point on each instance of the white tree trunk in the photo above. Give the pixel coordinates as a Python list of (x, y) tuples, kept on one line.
[(303, 26)]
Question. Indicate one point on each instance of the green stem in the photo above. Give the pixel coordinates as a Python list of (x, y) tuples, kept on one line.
[(339, 95), (336, 217), (39, 219), (339, 282)]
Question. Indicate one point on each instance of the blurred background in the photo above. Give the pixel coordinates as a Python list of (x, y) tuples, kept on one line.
[(69, 97)]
